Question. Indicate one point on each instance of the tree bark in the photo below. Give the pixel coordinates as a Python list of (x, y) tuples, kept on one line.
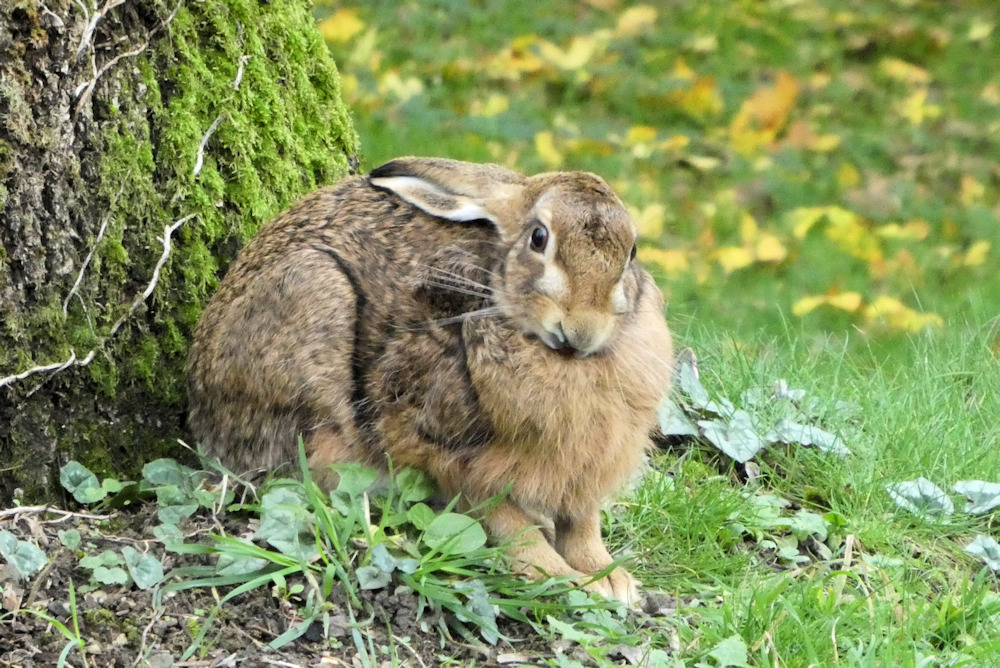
[(142, 142)]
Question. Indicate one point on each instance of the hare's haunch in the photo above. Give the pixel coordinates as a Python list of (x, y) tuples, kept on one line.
[(484, 327)]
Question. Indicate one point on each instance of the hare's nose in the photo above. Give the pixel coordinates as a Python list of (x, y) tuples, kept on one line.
[(586, 335)]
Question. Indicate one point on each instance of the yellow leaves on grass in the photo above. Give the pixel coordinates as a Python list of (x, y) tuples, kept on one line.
[(915, 108), (545, 146), (844, 227), (635, 21), (884, 311), (492, 106), (342, 26), (581, 49), (976, 255), (701, 99), (756, 247), (764, 114), (672, 261), (900, 70), (844, 301)]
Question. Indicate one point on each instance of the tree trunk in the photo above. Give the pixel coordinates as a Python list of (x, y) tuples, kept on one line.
[(142, 142)]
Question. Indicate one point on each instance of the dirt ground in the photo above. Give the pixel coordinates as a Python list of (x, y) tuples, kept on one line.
[(122, 629)]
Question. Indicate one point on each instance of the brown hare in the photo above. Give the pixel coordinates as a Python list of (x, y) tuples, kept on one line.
[(484, 327)]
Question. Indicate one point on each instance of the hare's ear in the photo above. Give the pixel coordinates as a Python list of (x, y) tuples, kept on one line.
[(451, 189)]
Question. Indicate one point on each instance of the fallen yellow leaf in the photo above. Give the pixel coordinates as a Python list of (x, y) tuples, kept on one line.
[(914, 230), (672, 261), (675, 143), (579, 52), (731, 258), (976, 255), (764, 114), (972, 191), (770, 249), (650, 220), (635, 21), (915, 108), (640, 134), (848, 176), (494, 105), (546, 148), (342, 26), (701, 100), (900, 70), (844, 301), (893, 313)]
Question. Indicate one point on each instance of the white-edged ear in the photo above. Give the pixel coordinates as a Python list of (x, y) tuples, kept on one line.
[(434, 199), (456, 190)]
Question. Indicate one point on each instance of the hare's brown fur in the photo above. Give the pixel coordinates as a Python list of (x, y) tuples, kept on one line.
[(344, 321)]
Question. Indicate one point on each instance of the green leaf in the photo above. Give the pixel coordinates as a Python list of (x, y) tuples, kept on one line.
[(921, 497), (988, 550), (354, 478), (483, 614), (382, 560), (730, 652), (735, 437), (229, 564), (414, 485), (805, 523), (169, 472), (106, 558), (673, 420), (70, 539), (983, 496), (25, 558), (421, 515), (174, 514), (453, 533), (569, 632), (81, 483), (788, 431), (145, 569), (169, 535), (112, 486), (371, 577), (110, 576)]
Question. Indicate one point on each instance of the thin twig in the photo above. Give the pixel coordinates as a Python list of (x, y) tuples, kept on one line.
[(204, 142), (9, 512)]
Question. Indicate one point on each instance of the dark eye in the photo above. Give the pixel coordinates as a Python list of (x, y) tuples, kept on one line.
[(539, 239), (631, 256)]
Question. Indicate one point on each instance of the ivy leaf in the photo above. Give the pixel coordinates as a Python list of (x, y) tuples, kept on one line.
[(110, 576), (371, 577), (483, 614), (986, 549), (420, 516), (736, 437), (453, 533), (106, 558), (730, 652), (983, 496), (354, 478), (673, 421), (145, 569), (25, 558), (789, 431), (78, 480), (70, 539), (168, 472), (414, 485), (382, 560), (921, 497)]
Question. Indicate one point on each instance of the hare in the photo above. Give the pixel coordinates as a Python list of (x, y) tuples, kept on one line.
[(489, 329)]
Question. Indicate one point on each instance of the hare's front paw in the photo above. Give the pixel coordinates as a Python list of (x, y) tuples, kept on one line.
[(618, 584)]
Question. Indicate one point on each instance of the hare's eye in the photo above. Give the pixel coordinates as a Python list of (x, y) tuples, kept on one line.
[(631, 256), (539, 239)]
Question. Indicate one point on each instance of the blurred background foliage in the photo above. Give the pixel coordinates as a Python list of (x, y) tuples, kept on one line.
[(827, 168)]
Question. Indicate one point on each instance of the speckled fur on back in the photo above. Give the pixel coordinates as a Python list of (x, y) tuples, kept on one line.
[(346, 321)]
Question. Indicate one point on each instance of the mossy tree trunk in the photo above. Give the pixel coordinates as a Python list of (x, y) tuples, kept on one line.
[(142, 142)]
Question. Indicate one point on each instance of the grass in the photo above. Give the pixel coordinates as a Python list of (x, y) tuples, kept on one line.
[(723, 126)]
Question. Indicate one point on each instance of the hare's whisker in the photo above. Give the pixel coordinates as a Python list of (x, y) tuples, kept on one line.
[(458, 289), (481, 313)]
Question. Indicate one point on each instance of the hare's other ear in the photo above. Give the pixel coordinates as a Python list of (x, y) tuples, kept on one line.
[(451, 189)]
